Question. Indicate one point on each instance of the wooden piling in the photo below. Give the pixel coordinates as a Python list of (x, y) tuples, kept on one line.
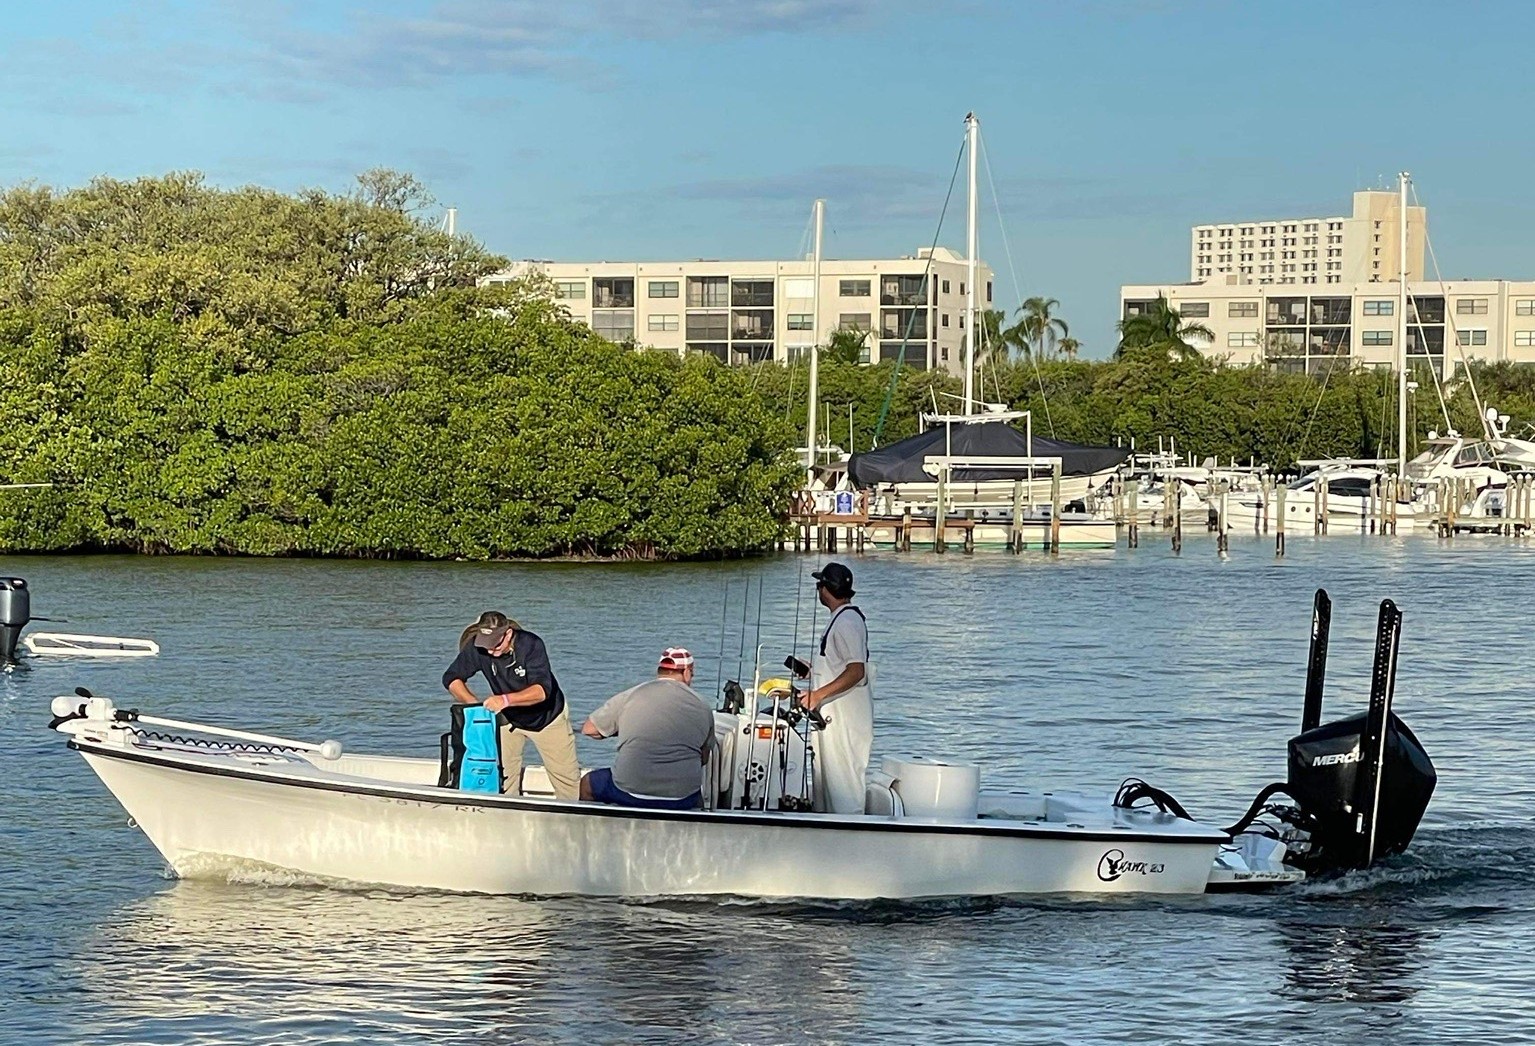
[(969, 545), (1222, 531), (1015, 531), (1279, 498), (1135, 516), (1055, 509), (1177, 514)]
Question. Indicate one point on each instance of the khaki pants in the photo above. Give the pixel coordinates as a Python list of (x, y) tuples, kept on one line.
[(556, 747)]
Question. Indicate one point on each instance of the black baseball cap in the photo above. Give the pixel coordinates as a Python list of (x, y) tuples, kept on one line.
[(837, 578)]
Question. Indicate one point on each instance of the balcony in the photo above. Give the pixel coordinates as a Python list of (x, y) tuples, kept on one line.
[(1331, 311), (741, 355), (751, 325), (751, 293), (616, 293), (904, 323), (916, 355), (903, 290)]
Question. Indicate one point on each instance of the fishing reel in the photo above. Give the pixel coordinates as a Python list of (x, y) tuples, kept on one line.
[(796, 713)]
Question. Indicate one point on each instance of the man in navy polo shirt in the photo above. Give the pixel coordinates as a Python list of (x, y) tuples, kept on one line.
[(525, 694)]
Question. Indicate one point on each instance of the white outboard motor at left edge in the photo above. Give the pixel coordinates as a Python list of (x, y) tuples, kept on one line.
[(15, 613)]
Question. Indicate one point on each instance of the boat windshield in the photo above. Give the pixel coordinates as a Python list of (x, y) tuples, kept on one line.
[(1304, 483), (1421, 466)]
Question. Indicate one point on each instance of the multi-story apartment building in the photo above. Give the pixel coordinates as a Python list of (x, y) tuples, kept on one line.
[(1358, 248), (1311, 329), (749, 311)]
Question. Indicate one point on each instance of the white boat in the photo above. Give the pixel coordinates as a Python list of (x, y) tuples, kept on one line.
[(1344, 493), (217, 802), (72, 645)]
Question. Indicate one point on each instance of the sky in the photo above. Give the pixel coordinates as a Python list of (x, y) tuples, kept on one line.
[(669, 129)]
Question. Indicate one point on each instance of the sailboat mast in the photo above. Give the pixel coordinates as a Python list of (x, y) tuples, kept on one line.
[(972, 317), (1401, 368), (815, 349)]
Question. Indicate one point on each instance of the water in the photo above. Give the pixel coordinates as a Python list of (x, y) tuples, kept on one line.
[(1075, 671)]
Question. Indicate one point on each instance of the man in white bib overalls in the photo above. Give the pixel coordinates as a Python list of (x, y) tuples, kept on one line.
[(841, 689)]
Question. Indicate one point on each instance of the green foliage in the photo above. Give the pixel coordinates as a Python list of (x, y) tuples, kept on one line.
[(1159, 333), (245, 372), (846, 345), (249, 373)]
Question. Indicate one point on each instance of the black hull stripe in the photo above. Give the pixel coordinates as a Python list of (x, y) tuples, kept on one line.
[(1015, 830)]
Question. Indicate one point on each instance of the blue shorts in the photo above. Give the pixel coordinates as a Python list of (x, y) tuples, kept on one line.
[(605, 791)]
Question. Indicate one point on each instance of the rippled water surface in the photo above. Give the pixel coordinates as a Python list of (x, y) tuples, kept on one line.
[(1072, 671)]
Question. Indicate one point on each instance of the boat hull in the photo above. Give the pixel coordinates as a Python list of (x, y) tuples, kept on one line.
[(213, 821)]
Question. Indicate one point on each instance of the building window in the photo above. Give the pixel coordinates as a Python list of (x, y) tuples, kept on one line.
[(1242, 339), (614, 293), (905, 290), (664, 289), (801, 321), (988, 292), (1471, 306), (1376, 338), (617, 325), (751, 293), (855, 321), (708, 292), (799, 287), (946, 286), (1471, 337), (853, 288), (1524, 339), (568, 289), (1524, 307), (751, 325), (663, 322), (945, 319), (1200, 309), (1247, 309), (1380, 308), (708, 326)]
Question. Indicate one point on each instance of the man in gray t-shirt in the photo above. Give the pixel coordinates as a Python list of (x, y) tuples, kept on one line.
[(665, 730)]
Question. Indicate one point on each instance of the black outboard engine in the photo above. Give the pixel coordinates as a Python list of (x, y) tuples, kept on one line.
[(15, 612), (1360, 784)]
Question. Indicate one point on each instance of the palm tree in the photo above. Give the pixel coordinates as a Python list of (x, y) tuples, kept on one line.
[(1160, 331), (1069, 347), (995, 344), (1038, 329), (846, 345)]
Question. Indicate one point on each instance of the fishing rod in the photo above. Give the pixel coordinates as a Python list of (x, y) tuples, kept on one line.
[(757, 644), (719, 666)]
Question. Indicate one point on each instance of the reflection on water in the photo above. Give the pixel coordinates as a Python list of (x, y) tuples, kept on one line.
[(1352, 961), (1076, 670)]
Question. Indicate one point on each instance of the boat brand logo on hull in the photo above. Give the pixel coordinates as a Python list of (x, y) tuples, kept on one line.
[(1112, 865), (1337, 758)]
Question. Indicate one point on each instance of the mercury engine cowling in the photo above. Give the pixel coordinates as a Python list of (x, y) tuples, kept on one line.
[(1360, 785), (15, 612), (1330, 778)]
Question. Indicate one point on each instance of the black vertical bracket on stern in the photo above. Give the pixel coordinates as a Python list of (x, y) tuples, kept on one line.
[(1316, 663), (1372, 746)]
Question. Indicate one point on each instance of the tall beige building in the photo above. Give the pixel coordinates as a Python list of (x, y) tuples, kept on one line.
[(1358, 248), (749, 311)]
